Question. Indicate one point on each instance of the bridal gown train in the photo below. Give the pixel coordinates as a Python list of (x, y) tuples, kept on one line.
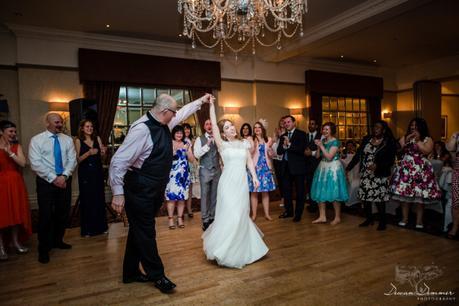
[(233, 240)]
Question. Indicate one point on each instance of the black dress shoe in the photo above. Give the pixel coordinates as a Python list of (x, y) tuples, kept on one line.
[(381, 226), (205, 225), (140, 278), (296, 219), (164, 285), (285, 215), (63, 246), (43, 257)]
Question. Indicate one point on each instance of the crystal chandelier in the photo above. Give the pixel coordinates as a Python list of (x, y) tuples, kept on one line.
[(240, 23)]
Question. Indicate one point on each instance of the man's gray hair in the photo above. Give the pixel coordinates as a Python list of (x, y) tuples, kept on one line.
[(162, 102)]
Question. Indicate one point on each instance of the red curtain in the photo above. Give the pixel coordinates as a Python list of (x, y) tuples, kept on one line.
[(106, 94)]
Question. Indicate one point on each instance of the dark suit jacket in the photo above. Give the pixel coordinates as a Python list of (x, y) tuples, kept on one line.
[(311, 161), (296, 160), (384, 158)]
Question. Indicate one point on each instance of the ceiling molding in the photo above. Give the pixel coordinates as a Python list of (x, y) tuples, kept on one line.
[(333, 25)]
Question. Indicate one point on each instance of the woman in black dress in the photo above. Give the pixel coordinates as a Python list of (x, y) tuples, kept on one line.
[(376, 155), (89, 150)]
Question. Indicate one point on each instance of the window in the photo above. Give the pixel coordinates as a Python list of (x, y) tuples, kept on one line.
[(134, 102), (349, 114)]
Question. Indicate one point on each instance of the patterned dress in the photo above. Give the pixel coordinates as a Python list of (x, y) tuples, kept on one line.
[(455, 183), (264, 174), (372, 188), (179, 178), (414, 180), (329, 182)]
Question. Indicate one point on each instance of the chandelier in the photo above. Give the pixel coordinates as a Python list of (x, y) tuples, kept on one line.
[(237, 24)]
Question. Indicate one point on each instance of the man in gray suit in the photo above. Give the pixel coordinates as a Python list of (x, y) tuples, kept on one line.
[(209, 173)]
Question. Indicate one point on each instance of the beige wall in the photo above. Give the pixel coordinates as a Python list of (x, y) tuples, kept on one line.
[(405, 112), (261, 100), (450, 108), (389, 105)]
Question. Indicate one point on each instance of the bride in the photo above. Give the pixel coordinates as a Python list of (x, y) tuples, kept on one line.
[(233, 240)]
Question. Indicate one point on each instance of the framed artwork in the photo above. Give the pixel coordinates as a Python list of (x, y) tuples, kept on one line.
[(444, 127)]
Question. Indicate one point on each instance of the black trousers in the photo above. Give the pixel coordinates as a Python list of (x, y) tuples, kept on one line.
[(141, 241), (288, 181), (278, 171), (53, 213)]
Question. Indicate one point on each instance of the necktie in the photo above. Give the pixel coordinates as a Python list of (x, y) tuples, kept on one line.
[(58, 166), (289, 134), (311, 137)]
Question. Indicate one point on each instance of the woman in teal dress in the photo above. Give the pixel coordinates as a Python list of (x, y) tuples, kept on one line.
[(329, 183)]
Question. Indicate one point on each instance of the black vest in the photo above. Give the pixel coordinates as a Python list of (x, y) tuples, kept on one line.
[(150, 181)]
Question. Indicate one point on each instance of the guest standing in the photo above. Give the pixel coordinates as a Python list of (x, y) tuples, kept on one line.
[(194, 169), (14, 204), (247, 135), (414, 180), (453, 146), (293, 168), (311, 161), (376, 155), (329, 183), (209, 173), (178, 188), (139, 172), (89, 149), (277, 159), (263, 170), (52, 157)]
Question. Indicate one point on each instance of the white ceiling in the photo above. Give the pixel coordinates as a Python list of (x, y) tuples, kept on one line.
[(407, 32)]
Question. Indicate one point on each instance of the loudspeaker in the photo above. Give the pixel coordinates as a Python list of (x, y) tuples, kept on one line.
[(81, 109)]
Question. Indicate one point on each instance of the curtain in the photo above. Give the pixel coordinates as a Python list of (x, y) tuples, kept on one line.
[(203, 113), (106, 94)]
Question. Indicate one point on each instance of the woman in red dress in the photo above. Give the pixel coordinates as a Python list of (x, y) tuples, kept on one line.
[(14, 205)]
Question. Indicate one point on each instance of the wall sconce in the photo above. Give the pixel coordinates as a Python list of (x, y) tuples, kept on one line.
[(387, 114), (231, 110), (296, 111), (58, 107)]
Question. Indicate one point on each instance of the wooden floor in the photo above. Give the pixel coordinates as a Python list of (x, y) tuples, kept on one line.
[(306, 265)]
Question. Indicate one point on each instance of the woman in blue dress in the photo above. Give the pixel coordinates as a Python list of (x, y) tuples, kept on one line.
[(329, 183), (177, 190), (263, 165)]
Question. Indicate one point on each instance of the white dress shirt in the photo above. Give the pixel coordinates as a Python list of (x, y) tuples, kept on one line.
[(41, 155), (199, 148), (137, 146)]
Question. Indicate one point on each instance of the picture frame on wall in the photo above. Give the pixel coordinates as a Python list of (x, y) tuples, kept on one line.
[(444, 127)]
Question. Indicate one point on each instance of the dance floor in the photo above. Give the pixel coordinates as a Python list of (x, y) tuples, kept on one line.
[(306, 265)]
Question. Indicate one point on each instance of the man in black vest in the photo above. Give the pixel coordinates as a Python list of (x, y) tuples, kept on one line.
[(139, 172), (311, 160), (293, 168)]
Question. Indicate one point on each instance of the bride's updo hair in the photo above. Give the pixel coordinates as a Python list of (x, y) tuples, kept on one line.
[(220, 125)]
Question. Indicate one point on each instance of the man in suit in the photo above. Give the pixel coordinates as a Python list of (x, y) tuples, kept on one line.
[(311, 161), (209, 173), (293, 167)]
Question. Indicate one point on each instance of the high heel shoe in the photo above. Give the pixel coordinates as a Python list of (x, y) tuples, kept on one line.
[(3, 254), (21, 249), (366, 223), (178, 223), (171, 226)]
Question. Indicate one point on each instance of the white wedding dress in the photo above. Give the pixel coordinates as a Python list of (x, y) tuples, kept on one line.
[(233, 240)]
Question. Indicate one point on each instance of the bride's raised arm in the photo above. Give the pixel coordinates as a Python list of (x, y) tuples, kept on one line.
[(213, 119)]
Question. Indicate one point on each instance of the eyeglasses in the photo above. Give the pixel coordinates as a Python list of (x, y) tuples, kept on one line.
[(172, 110)]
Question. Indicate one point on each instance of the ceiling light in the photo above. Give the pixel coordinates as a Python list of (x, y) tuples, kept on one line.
[(107, 25), (374, 61), (242, 22), (341, 56)]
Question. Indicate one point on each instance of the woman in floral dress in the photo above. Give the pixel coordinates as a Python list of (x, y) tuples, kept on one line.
[(453, 147), (177, 190), (376, 155), (414, 180), (194, 169), (263, 166)]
